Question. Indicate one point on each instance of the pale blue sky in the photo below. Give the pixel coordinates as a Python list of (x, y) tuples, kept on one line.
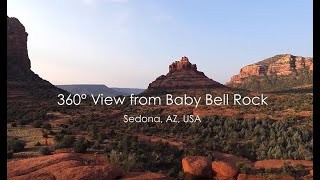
[(129, 43)]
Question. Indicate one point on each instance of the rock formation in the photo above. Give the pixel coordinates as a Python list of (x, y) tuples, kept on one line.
[(183, 75), (196, 167), (21, 80), (17, 44), (63, 166), (281, 72)]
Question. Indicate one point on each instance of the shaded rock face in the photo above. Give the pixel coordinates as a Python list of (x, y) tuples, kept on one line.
[(61, 166), (196, 167), (21, 81), (183, 75), (17, 43), (276, 71)]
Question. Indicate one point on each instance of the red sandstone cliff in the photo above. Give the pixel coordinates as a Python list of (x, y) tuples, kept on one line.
[(277, 67)]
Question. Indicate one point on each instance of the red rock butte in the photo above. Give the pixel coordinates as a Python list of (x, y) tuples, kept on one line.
[(183, 75), (17, 43), (21, 80)]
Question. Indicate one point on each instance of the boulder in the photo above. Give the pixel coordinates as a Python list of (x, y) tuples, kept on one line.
[(197, 166)]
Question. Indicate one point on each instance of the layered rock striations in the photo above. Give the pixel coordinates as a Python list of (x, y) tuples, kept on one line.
[(183, 75), (281, 72)]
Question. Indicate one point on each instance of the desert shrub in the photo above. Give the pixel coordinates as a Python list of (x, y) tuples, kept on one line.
[(243, 167), (299, 166), (65, 131), (58, 137), (37, 124), (127, 161), (52, 133), (9, 154), (267, 170), (80, 146), (14, 124), (45, 151), (287, 169), (66, 142), (45, 135), (96, 145), (22, 122), (46, 126), (101, 136), (181, 175), (37, 144), (15, 144)]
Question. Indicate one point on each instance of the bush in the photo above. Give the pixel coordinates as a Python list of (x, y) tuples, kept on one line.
[(58, 137), (14, 124), (299, 166), (65, 131), (66, 142), (46, 126), (287, 169), (37, 124), (37, 144), (96, 146), (45, 135), (45, 151), (126, 161), (9, 154), (243, 167), (15, 144), (267, 170), (80, 146), (51, 133)]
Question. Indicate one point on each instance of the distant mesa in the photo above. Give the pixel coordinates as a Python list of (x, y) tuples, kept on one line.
[(96, 89), (128, 91), (182, 75), (282, 72)]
